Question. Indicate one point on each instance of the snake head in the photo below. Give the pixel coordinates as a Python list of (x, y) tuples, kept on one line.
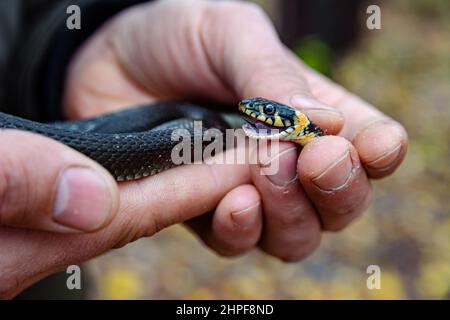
[(267, 119)]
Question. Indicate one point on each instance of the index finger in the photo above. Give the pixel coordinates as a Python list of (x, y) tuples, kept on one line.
[(381, 142)]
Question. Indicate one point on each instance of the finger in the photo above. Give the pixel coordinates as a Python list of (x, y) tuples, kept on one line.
[(45, 185), (178, 195), (292, 228), (257, 64), (146, 206), (275, 73), (380, 141), (332, 176), (235, 227)]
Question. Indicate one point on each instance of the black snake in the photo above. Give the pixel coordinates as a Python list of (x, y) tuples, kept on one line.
[(138, 142)]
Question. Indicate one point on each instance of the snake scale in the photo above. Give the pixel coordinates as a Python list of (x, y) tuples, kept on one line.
[(137, 142)]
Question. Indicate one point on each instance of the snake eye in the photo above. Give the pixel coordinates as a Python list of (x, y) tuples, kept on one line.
[(269, 109)]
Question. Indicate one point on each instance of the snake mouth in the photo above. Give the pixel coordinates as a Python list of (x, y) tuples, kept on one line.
[(267, 119), (261, 130)]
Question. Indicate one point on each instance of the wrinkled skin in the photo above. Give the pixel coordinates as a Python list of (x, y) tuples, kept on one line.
[(220, 51)]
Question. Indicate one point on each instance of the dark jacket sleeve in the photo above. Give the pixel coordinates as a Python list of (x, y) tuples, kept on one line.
[(36, 70)]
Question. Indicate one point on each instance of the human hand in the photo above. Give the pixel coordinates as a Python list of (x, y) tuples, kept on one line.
[(220, 51), (224, 52)]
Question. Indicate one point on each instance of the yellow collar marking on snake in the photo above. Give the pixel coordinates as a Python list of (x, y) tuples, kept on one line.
[(273, 120)]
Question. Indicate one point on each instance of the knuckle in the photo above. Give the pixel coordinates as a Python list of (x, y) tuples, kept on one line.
[(250, 9), (10, 285), (240, 11), (271, 65), (135, 224), (14, 189)]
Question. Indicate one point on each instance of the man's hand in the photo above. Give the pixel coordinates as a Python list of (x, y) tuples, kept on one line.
[(221, 51), (60, 190), (225, 51)]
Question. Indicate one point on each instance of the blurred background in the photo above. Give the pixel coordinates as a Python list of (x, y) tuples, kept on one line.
[(403, 69)]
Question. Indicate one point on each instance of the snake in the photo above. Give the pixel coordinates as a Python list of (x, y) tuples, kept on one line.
[(138, 142)]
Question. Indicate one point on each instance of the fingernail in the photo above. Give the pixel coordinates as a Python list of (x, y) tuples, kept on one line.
[(83, 200), (386, 161), (337, 175), (287, 168), (247, 217), (312, 105), (381, 144), (319, 113)]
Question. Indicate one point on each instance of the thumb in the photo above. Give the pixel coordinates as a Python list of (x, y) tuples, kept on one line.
[(279, 77), (47, 186), (258, 64)]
